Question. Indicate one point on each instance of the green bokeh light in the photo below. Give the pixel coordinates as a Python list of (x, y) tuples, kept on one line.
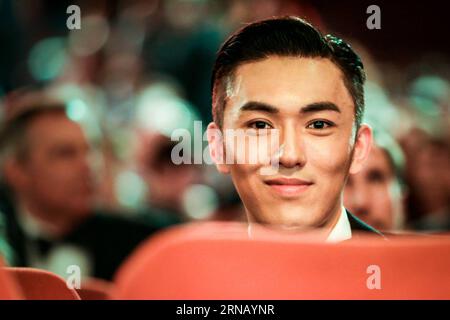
[(47, 59), (76, 110)]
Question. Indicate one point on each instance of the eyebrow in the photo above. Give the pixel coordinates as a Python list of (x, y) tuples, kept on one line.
[(309, 108), (320, 106), (259, 106)]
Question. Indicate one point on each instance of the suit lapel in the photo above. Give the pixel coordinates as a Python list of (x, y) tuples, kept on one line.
[(358, 225)]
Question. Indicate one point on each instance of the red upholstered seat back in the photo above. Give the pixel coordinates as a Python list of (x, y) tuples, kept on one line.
[(219, 261), (95, 289), (9, 290), (41, 285)]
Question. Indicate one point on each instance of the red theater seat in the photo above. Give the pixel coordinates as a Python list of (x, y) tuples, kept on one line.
[(95, 289), (219, 261), (9, 290), (41, 285)]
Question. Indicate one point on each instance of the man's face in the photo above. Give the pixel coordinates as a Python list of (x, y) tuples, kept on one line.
[(166, 181), (56, 170), (306, 101), (374, 193)]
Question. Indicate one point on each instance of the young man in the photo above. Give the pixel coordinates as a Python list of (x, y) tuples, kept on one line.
[(282, 77)]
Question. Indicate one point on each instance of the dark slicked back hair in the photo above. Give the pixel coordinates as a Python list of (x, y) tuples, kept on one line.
[(285, 37)]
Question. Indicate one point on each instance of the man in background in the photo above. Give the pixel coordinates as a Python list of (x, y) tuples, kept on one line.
[(48, 196), (375, 194)]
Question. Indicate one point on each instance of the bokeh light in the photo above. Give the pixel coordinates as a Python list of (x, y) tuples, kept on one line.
[(47, 58)]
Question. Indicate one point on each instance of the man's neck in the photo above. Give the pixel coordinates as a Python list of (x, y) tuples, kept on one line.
[(46, 223), (342, 229)]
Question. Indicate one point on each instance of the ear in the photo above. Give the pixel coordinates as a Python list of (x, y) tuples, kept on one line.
[(15, 174), (361, 149), (216, 147)]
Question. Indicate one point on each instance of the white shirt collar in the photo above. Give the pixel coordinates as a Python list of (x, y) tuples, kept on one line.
[(342, 230), (32, 226)]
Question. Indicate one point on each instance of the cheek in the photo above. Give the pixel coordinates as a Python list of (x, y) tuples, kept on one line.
[(243, 175), (329, 157), (252, 154), (382, 199), (54, 178), (42, 175), (246, 180), (264, 149)]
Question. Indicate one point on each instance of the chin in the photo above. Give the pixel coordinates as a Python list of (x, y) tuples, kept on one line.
[(290, 218)]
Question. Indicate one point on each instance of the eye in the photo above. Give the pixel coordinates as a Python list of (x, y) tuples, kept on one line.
[(259, 125), (376, 176), (320, 124)]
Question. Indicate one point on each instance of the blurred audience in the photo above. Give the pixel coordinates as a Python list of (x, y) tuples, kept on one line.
[(49, 195), (428, 176), (426, 146), (166, 182), (376, 194)]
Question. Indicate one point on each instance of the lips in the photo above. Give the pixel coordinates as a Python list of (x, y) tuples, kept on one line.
[(288, 187)]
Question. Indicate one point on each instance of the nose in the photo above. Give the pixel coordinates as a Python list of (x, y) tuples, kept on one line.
[(86, 163), (291, 153)]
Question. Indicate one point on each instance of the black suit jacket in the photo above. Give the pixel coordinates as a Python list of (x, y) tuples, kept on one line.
[(108, 238), (358, 225)]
